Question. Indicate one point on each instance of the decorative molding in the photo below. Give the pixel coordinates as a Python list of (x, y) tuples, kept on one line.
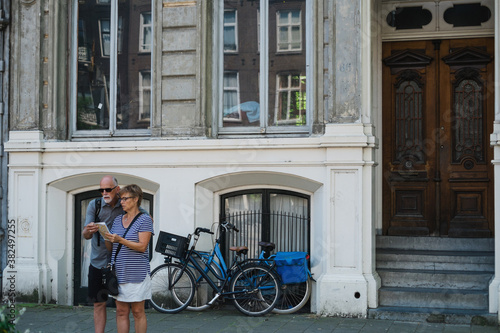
[(407, 58), (467, 56)]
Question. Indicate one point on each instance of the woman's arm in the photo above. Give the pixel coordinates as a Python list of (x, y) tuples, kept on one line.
[(109, 246), (140, 246)]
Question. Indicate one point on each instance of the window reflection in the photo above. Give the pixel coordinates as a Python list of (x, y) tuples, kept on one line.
[(287, 63), (130, 108), (285, 79), (93, 66), (241, 64)]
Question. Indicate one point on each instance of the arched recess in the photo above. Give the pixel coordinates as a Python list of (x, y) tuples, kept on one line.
[(58, 227), (208, 191)]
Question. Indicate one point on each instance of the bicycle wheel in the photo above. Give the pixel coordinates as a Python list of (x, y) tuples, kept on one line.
[(172, 288), (204, 292), (255, 290), (293, 297)]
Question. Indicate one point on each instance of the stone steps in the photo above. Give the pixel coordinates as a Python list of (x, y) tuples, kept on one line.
[(431, 277)]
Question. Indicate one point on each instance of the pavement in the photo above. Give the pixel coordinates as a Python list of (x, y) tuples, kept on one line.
[(57, 318)]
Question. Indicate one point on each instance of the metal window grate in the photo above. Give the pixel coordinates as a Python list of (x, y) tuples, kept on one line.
[(290, 232)]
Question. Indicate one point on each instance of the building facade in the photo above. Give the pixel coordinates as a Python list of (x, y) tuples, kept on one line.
[(361, 118)]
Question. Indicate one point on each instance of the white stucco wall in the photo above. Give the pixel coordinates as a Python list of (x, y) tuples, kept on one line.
[(186, 179)]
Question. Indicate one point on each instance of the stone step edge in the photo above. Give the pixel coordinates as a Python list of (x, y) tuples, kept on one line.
[(430, 271), (435, 315), (438, 253), (434, 290), (435, 243)]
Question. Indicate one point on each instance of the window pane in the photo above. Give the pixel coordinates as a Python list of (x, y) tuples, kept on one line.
[(245, 212), (133, 97), (241, 65), (295, 16), (231, 110), (145, 96), (146, 33), (93, 66), (287, 59), (289, 216), (229, 39), (283, 39), (229, 16)]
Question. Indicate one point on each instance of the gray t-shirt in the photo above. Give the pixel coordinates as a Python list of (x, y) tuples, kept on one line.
[(99, 255)]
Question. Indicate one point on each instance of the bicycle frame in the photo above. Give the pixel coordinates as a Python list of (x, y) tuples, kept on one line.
[(209, 258), (226, 273)]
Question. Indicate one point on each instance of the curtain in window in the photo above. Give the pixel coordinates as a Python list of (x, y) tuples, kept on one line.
[(289, 219)]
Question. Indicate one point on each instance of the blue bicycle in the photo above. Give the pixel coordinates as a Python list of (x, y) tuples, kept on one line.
[(253, 287)]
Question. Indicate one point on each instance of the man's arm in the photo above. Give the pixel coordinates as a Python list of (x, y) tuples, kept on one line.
[(90, 228)]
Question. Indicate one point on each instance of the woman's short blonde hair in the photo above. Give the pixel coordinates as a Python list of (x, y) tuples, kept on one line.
[(134, 191)]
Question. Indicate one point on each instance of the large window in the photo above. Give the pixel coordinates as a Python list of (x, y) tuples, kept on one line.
[(264, 70), (112, 86)]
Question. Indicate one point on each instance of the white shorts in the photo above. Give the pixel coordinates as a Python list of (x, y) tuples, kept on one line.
[(134, 292)]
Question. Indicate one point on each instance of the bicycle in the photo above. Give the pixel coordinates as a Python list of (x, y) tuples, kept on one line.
[(293, 295), (253, 288)]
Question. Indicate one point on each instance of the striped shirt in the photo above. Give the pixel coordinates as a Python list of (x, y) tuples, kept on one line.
[(131, 265)]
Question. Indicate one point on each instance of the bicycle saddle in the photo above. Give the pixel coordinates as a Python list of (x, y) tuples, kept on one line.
[(239, 249), (267, 245)]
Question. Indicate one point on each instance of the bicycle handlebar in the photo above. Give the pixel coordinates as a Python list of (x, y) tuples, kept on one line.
[(229, 226), (199, 230)]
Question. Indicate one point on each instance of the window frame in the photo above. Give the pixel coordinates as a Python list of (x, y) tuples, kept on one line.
[(263, 49), (290, 25), (143, 26), (232, 89), (143, 88), (289, 89), (235, 25), (116, 36)]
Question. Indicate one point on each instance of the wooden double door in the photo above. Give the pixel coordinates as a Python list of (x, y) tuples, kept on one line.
[(437, 117)]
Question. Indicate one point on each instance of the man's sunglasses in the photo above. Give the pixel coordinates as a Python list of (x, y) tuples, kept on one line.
[(107, 189)]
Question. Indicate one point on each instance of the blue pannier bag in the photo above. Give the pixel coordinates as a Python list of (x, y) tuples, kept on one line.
[(291, 266)]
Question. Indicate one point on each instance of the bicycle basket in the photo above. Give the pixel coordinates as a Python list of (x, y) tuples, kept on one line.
[(172, 245), (291, 266)]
